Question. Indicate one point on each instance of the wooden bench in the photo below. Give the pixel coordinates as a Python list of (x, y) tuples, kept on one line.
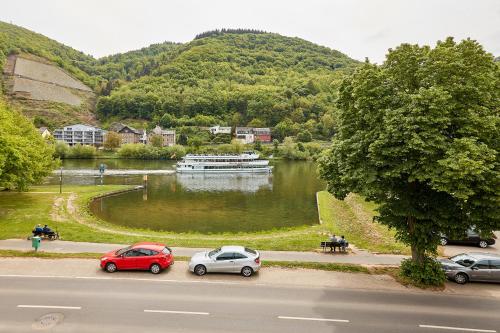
[(333, 245)]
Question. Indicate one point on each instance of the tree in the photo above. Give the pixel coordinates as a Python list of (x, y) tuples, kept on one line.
[(25, 157), (156, 140), (418, 135), (257, 145), (113, 140), (195, 142), (304, 136)]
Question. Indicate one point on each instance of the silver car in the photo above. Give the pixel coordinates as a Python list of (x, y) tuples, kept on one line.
[(475, 266), (226, 259)]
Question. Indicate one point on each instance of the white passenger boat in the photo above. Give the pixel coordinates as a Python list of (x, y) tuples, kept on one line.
[(247, 162)]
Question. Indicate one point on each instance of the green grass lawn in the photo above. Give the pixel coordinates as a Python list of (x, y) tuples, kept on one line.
[(20, 212), (352, 218)]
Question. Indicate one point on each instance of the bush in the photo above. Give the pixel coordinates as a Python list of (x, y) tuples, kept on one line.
[(429, 273), (304, 136), (61, 149), (82, 151)]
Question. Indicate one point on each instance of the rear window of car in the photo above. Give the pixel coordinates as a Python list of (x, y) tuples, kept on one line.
[(464, 260), (166, 250), (250, 250)]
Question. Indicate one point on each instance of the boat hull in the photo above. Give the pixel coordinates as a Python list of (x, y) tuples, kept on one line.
[(235, 170)]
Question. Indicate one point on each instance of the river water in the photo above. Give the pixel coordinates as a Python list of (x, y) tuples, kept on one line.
[(202, 203)]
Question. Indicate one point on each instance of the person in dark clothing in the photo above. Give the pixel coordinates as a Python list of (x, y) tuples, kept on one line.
[(46, 230), (343, 243), (38, 230)]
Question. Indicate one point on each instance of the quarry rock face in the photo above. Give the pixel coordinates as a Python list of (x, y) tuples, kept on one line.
[(35, 85)]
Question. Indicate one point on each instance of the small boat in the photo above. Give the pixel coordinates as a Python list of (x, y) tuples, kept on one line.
[(247, 162)]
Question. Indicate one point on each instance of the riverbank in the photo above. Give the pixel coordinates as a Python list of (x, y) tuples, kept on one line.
[(69, 213)]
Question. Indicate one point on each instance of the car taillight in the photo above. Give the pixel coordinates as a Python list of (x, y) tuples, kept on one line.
[(257, 260)]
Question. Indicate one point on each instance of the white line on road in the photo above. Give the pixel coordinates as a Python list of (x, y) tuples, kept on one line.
[(178, 312), (314, 319), (457, 328), (51, 307)]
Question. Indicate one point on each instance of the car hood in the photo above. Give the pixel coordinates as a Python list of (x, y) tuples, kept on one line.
[(110, 254)]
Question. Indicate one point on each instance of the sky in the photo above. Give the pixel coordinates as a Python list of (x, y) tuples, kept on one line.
[(358, 28)]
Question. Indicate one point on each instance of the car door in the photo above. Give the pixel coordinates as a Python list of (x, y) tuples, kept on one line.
[(240, 261), (143, 259), (495, 270), (473, 237), (480, 271), (129, 259), (223, 262)]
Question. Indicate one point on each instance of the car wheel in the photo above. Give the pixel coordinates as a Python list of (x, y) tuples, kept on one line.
[(246, 271), (483, 244), (443, 241), (461, 278), (200, 270), (155, 269), (110, 267)]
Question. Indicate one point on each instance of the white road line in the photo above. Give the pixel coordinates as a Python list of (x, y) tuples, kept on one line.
[(178, 312), (51, 307), (457, 328), (314, 319)]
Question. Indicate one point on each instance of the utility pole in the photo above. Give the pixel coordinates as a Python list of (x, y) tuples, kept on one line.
[(60, 180)]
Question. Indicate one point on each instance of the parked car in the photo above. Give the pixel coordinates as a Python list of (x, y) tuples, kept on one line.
[(141, 256), (475, 266), (226, 259), (471, 237)]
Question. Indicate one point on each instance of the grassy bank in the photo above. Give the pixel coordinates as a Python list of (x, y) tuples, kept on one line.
[(352, 218), (69, 214)]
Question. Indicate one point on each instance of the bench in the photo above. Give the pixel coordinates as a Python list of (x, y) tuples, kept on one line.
[(333, 245)]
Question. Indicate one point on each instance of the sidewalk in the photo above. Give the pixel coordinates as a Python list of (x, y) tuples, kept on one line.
[(359, 257)]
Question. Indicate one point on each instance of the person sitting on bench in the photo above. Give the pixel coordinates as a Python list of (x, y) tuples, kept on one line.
[(333, 241), (343, 243), (38, 230)]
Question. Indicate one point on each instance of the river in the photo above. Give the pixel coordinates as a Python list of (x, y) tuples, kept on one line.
[(203, 203)]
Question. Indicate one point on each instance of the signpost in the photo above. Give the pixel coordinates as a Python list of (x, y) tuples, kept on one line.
[(102, 168)]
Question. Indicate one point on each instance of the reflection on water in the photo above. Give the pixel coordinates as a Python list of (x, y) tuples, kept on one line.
[(207, 203), (225, 182)]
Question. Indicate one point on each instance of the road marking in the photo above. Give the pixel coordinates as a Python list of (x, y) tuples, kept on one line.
[(51, 307), (314, 319), (457, 328), (178, 312)]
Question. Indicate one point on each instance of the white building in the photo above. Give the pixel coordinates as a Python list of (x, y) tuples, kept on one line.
[(220, 130), (244, 135), (80, 134)]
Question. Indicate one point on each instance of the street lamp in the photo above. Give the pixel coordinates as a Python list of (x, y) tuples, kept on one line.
[(60, 180)]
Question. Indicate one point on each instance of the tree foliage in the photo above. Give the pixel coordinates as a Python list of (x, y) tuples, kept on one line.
[(112, 140), (25, 157), (418, 135)]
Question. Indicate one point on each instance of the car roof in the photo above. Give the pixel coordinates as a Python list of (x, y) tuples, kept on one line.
[(233, 248), (483, 255), (148, 245)]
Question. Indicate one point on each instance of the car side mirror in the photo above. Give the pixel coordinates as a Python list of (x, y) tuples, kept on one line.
[(474, 268)]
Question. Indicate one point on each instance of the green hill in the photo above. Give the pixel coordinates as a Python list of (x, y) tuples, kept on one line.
[(235, 77)]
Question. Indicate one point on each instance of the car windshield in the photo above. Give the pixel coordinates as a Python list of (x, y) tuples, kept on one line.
[(250, 250), (214, 252), (464, 260), (122, 251)]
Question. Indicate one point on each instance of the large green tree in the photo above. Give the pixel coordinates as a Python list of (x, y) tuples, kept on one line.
[(25, 157), (418, 135)]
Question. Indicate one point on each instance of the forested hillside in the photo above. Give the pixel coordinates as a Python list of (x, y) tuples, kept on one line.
[(235, 77)]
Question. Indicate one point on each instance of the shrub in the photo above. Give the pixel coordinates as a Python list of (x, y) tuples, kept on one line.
[(304, 136), (82, 151), (61, 149), (429, 273)]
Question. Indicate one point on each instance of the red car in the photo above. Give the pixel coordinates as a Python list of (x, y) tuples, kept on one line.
[(141, 256)]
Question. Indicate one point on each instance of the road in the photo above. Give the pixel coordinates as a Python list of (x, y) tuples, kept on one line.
[(113, 304)]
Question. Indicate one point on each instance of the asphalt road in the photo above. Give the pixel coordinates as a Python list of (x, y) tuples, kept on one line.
[(140, 305)]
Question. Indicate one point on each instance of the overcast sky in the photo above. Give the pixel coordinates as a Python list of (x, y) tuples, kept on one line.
[(359, 28)]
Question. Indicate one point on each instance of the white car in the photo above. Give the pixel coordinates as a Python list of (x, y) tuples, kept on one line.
[(226, 259)]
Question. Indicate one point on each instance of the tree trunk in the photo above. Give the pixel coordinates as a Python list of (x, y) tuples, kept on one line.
[(417, 254)]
